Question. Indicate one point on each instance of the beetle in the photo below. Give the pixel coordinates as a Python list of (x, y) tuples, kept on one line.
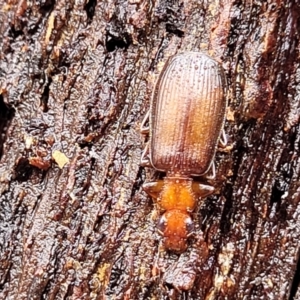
[(186, 118)]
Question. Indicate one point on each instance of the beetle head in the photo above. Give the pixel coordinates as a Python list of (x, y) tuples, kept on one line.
[(175, 226)]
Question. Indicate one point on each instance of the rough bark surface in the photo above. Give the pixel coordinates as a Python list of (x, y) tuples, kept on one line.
[(75, 82)]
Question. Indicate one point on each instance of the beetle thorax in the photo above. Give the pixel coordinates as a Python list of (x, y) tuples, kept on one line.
[(177, 194)]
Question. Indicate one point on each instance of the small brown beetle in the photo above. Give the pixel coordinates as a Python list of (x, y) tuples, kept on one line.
[(185, 122)]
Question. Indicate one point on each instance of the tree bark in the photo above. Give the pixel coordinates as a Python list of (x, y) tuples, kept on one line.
[(75, 82)]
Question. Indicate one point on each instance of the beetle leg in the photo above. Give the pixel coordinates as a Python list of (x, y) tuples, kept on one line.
[(223, 139), (153, 188), (145, 161), (202, 190), (145, 128), (211, 174)]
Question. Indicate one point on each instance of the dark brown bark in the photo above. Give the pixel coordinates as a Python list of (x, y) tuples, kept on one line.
[(75, 83)]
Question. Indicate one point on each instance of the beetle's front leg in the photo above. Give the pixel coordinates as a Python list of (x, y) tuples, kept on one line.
[(202, 190), (153, 188)]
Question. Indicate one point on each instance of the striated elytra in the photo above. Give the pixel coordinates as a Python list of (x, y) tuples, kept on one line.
[(186, 119)]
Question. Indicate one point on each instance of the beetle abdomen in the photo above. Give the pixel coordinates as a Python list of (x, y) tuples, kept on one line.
[(187, 114)]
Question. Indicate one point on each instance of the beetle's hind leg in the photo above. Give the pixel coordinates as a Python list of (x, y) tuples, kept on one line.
[(145, 124), (223, 139), (145, 160)]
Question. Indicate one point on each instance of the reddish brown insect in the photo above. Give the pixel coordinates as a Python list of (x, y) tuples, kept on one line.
[(186, 118)]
